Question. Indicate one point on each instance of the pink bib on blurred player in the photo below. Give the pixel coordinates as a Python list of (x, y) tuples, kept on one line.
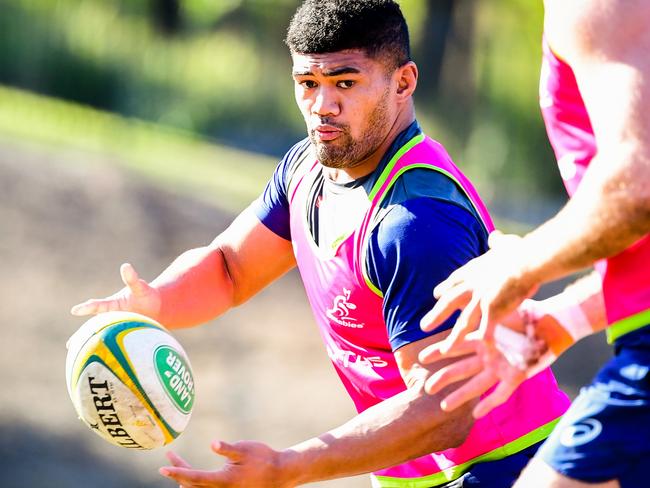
[(348, 311), (626, 276)]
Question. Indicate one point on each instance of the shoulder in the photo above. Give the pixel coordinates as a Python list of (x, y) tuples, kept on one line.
[(597, 29), (272, 206), (425, 225), (428, 188), (417, 245)]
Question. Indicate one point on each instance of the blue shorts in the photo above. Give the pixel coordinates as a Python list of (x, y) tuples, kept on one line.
[(605, 434), (495, 474)]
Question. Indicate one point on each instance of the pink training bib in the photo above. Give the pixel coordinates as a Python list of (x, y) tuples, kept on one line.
[(348, 310)]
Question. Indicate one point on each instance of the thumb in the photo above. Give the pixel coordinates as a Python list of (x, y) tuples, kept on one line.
[(228, 450), (498, 239), (495, 238), (132, 280)]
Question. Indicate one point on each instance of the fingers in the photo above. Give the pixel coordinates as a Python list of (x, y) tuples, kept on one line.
[(453, 373), (432, 353), (88, 307), (95, 306), (500, 394), (444, 307), (134, 284), (132, 280), (498, 238), (495, 238), (112, 303), (467, 322), (190, 477), (177, 461), (474, 388), (228, 450), (483, 325), (452, 280)]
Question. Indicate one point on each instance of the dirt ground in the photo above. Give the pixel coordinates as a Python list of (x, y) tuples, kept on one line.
[(67, 221)]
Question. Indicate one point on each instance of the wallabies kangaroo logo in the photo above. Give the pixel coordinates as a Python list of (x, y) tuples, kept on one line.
[(340, 311)]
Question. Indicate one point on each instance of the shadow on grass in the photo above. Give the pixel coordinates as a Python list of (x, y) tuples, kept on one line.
[(39, 459)]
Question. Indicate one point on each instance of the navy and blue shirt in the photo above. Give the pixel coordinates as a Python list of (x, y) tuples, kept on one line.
[(425, 229)]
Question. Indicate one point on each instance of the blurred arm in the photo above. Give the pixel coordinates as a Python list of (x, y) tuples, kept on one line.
[(563, 319), (558, 322), (606, 42)]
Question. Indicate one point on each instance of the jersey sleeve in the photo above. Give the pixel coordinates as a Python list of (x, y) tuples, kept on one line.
[(272, 206), (418, 244)]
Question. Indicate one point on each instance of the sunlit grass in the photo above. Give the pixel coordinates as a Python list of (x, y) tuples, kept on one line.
[(188, 80), (177, 160)]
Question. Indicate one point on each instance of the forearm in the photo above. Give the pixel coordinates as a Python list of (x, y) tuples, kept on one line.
[(195, 288), (404, 427), (609, 58), (565, 318), (609, 212), (587, 294)]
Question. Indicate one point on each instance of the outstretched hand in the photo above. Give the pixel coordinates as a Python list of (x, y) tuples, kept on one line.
[(248, 464), (136, 296), (486, 290)]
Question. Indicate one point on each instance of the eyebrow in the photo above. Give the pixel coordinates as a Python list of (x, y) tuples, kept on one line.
[(346, 70)]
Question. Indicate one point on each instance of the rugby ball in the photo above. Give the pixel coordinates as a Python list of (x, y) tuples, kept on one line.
[(129, 380)]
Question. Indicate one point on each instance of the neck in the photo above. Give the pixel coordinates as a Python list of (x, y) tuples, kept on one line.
[(370, 163)]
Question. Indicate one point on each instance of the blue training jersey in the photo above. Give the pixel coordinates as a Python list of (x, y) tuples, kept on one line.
[(426, 228)]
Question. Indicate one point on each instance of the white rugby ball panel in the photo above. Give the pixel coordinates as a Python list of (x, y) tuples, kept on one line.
[(142, 348), (130, 380), (113, 412)]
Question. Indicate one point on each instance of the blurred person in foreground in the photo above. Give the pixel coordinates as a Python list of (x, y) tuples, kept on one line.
[(374, 214), (595, 99)]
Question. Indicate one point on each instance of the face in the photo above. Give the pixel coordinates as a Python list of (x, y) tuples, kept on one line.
[(345, 98)]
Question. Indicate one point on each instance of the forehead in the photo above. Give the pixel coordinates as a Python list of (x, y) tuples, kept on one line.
[(337, 62)]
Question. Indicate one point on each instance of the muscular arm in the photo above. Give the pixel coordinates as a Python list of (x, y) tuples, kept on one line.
[(607, 44), (205, 282), (403, 427)]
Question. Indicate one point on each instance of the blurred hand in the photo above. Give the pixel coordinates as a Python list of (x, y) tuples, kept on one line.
[(137, 296), (486, 290), (249, 464), (512, 358)]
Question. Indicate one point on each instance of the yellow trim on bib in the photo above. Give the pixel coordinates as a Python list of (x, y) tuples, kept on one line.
[(628, 324), (455, 472)]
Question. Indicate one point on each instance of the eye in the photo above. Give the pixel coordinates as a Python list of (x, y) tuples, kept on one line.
[(308, 84), (345, 84)]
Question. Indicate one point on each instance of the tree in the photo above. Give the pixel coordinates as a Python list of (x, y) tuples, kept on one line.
[(166, 15)]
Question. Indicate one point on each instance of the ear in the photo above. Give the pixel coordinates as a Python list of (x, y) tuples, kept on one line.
[(407, 79)]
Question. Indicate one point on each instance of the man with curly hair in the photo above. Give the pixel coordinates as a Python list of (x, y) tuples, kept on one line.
[(373, 213)]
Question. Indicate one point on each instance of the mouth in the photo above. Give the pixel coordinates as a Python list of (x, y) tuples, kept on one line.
[(326, 132)]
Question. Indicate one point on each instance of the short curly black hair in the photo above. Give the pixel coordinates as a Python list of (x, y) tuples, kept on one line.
[(374, 26)]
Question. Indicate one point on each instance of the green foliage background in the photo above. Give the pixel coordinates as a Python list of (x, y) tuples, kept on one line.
[(223, 73)]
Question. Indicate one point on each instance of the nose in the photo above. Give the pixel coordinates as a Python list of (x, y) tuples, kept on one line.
[(325, 103)]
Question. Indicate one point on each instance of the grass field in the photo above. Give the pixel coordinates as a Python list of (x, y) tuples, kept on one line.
[(176, 160)]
